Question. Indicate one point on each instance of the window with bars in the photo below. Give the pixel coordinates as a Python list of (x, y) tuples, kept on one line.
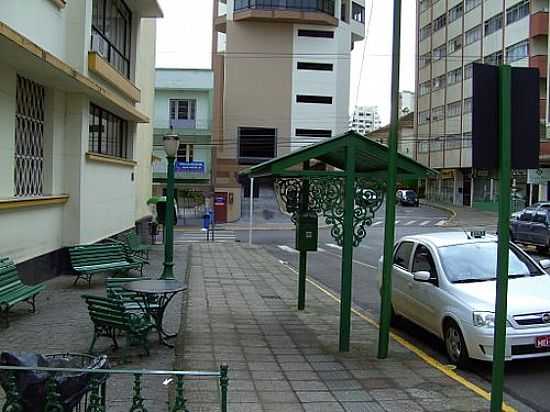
[(108, 134), (185, 153), (112, 33), (29, 138), (183, 113)]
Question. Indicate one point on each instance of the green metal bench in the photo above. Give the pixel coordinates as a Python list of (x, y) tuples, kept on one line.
[(88, 260), (130, 300), (13, 291), (110, 317), (136, 247)]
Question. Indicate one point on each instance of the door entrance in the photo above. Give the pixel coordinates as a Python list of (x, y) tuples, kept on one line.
[(220, 207)]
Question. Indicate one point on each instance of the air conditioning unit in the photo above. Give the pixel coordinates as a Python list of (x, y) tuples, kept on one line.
[(99, 45)]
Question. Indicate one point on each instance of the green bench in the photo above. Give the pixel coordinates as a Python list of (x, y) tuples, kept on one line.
[(129, 299), (110, 319), (136, 247), (13, 291), (87, 260)]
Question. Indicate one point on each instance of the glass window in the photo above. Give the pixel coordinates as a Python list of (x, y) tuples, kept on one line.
[(425, 59), (108, 134), (403, 255), (454, 76), (424, 117), (424, 5), (111, 33), (468, 105), (493, 24), (423, 261), (477, 262), (517, 12), (496, 58), (439, 52), (425, 88), (182, 109), (472, 35), (440, 22), (540, 217), (425, 31), (455, 12), (438, 82), (469, 69), (357, 12), (455, 44), (438, 113), (527, 216), (517, 51), (471, 4), (454, 108), (256, 144)]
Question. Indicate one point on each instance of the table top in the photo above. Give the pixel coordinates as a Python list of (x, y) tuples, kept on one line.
[(153, 286)]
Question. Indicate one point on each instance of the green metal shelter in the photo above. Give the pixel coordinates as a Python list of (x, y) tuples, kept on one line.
[(342, 180)]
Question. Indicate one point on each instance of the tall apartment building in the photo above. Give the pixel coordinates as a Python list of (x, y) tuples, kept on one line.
[(365, 119), (452, 35), (76, 98), (281, 81)]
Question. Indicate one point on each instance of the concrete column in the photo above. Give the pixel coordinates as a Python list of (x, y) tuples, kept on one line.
[(54, 136), (8, 81), (472, 191)]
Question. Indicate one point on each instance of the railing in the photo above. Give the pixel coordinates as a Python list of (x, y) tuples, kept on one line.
[(325, 6), (102, 45), (95, 399)]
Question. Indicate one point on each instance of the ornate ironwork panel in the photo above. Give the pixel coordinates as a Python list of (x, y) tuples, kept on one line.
[(326, 197), (29, 138), (137, 400)]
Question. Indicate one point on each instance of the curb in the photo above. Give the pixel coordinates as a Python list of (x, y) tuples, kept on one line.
[(447, 209)]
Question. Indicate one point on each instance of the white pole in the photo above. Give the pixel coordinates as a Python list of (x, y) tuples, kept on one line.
[(251, 217)]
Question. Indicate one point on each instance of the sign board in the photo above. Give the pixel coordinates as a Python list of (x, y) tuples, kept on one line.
[(190, 167), (219, 201), (538, 176)]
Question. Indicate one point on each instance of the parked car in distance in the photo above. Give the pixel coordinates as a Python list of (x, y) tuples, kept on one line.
[(407, 197), (445, 282), (531, 226)]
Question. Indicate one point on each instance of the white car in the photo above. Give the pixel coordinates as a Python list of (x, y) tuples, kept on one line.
[(445, 283)]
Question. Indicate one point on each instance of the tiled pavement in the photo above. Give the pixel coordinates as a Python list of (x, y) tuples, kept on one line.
[(241, 311), (62, 325)]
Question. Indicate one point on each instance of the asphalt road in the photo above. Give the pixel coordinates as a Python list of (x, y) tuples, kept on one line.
[(526, 381)]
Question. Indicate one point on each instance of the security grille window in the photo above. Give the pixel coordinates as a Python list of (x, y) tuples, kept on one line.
[(468, 105), (471, 4), (425, 59), (438, 82), (424, 117), (517, 51), (454, 76), (29, 138), (455, 44), (517, 12), (425, 88), (455, 13), (493, 24), (111, 33), (438, 113), (302, 98), (314, 132), (496, 58), (315, 66), (316, 33), (453, 109), (424, 5), (472, 35), (357, 12), (440, 22), (182, 113), (439, 52), (256, 144), (185, 153), (425, 31), (108, 133)]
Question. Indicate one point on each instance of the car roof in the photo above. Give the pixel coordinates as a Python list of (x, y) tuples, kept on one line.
[(442, 239)]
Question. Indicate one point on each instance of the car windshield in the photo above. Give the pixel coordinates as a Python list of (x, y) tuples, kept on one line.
[(410, 194), (477, 262)]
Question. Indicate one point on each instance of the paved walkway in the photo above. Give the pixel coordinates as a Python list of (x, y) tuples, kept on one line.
[(241, 311), (467, 217)]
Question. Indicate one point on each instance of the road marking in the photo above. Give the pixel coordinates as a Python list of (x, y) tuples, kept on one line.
[(441, 223), (434, 363), (377, 223), (332, 245), (287, 249), (358, 262), (424, 223), (410, 222)]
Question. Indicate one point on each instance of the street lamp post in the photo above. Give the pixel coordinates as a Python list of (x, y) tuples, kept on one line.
[(171, 143)]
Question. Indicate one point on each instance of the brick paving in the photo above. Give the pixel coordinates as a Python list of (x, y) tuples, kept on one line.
[(241, 311)]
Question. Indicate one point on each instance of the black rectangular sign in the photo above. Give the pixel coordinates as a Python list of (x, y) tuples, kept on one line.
[(525, 117)]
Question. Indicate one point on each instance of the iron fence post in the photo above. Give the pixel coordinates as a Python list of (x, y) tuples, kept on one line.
[(224, 383)]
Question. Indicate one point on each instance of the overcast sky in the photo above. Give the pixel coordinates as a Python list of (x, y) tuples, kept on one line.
[(184, 40)]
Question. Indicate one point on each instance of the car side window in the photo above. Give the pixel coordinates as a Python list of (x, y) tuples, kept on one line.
[(540, 217), (423, 261), (403, 255), (526, 216)]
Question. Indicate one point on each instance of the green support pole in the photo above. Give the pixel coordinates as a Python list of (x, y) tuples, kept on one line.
[(302, 280), (347, 251), (168, 272), (505, 166), (389, 229)]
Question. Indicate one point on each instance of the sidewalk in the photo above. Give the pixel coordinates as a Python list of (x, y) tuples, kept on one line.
[(241, 310), (467, 217)]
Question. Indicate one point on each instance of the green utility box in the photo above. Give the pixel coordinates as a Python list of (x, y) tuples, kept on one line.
[(307, 232)]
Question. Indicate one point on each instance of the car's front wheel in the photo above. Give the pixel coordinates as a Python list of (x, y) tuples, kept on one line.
[(455, 345)]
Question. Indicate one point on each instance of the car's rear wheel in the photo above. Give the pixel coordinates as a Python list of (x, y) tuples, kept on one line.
[(455, 345)]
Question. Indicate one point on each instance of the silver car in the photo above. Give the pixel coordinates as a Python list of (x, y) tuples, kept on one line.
[(445, 283)]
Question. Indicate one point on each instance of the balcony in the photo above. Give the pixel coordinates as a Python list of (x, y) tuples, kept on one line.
[(538, 25), (287, 11)]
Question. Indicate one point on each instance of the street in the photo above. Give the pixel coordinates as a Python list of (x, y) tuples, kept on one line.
[(525, 380)]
